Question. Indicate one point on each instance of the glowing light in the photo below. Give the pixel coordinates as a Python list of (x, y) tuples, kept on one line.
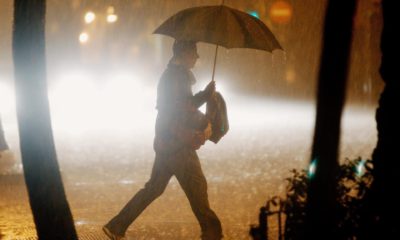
[(254, 14), (126, 182), (90, 17), (79, 104), (83, 38), (253, 112), (81, 222), (360, 169), (110, 10), (281, 12), (73, 103), (7, 99), (123, 102), (112, 18), (290, 76), (312, 168)]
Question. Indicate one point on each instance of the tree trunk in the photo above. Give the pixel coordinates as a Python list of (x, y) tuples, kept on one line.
[(321, 206), (382, 219), (47, 198)]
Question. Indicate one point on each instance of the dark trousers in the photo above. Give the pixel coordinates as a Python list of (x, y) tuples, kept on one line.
[(185, 165)]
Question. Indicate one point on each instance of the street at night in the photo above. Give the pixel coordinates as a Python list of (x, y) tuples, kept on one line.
[(100, 90)]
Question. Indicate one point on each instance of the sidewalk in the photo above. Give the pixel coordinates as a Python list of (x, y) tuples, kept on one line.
[(16, 222), (92, 208), (99, 182)]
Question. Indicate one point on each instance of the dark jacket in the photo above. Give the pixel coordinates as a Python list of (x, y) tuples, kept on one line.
[(176, 107)]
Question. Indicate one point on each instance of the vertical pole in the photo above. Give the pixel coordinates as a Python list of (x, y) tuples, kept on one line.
[(263, 221), (215, 62), (280, 220)]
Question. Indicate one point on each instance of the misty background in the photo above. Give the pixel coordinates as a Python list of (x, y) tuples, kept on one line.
[(102, 74)]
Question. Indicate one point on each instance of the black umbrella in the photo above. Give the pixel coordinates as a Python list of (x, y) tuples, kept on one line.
[(220, 25)]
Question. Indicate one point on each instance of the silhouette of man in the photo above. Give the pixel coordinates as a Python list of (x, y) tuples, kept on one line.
[(175, 145)]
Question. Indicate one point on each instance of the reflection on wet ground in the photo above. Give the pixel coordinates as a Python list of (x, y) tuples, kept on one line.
[(102, 172)]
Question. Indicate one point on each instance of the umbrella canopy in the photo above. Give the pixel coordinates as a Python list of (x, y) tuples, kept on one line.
[(219, 25)]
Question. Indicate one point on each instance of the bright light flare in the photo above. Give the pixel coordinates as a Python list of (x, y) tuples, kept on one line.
[(112, 18), (83, 38), (73, 103), (80, 104), (129, 103), (90, 17), (254, 14), (7, 99), (360, 170), (281, 12), (247, 112), (312, 168), (256, 113)]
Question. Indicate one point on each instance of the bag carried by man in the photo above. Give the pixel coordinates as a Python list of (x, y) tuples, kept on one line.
[(216, 112)]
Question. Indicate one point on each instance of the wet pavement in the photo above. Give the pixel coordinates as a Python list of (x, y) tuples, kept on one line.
[(101, 173), (94, 202), (239, 182)]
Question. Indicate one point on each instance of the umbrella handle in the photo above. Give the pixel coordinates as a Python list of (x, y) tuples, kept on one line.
[(215, 61), (216, 52)]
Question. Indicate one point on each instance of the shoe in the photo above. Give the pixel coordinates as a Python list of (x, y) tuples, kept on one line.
[(111, 235)]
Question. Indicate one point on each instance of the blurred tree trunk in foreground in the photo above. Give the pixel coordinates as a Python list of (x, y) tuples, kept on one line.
[(382, 211), (321, 205), (47, 198)]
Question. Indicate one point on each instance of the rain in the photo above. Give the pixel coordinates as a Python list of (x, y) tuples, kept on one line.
[(103, 65)]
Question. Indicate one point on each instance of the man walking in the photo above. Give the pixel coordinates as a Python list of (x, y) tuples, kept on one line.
[(175, 145)]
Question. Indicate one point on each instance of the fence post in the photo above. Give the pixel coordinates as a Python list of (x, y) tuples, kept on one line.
[(262, 218), (280, 237)]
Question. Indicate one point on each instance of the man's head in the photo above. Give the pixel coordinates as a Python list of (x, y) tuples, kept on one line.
[(185, 52)]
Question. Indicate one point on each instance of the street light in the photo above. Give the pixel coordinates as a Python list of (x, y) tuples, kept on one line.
[(90, 17), (111, 16), (83, 38), (281, 12)]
